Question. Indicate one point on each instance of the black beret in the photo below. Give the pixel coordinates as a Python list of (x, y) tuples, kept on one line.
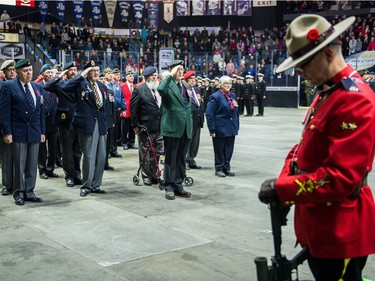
[(149, 70), (176, 62), (22, 63), (91, 63), (69, 65), (129, 73), (44, 68)]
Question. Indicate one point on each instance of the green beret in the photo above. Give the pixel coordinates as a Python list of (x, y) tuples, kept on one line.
[(175, 63), (108, 70), (58, 67), (22, 63), (115, 71)]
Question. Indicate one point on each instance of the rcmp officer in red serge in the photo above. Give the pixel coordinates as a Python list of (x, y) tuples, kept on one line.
[(90, 122), (23, 126), (325, 175)]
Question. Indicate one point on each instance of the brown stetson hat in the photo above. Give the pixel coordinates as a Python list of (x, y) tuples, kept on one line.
[(307, 34)]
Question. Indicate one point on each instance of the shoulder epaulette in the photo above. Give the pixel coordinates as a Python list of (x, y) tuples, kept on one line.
[(349, 85)]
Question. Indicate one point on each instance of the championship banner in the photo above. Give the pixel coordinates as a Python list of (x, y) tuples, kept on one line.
[(263, 3), (60, 7), (229, 8), (9, 37), (138, 7), (168, 12), (78, 10), (152, 14), (182, 8), (12, 51), (198, 8), (244, 8), (43, 7), (124, 10), (110, 7), (214, 8), (96, 6)]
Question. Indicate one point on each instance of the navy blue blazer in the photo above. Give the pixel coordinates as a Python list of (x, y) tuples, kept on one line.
[(221, 120), (26, 123), (87, 112), (50, 109)]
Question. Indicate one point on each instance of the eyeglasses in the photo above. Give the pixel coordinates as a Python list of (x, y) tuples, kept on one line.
[(10, 69), (301, 68)]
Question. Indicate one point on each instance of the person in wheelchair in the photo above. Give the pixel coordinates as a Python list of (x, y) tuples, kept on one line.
[(325, 175)]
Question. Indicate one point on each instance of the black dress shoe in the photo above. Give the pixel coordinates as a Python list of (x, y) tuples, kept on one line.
[(187, 167), (77, 181), (19, 201), (182, 193), (126, 147), (169, 195), (154, 181), (220, 174), (195, 167), (98, 190), (229, 173), (58, 163), (52, 175), (43, 176), (109, 168), (84, 192), (5, 191), (116, 155), (146, 181), (69, 182), (34, 199)]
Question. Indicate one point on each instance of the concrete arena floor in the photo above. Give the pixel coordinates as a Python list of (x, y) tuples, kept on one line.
[(133, 233)]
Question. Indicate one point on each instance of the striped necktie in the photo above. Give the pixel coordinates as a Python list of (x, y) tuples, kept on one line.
[(99, 102), (29, 96)]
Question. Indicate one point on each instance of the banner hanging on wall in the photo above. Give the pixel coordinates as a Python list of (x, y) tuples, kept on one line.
[(124, 10), (60, 7), (228, 8), (244, 7), (183, 8), (138, 7), (152, 14), (96, 6), (214, 8), (43, 7), (110, 7), (78, 10), (198, 8), (168, 11)]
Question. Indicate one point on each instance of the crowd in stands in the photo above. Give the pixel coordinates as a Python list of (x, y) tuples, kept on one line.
[(241, 51)]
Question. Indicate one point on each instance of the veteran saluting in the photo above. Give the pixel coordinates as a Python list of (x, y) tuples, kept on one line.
[(90, 122), (22, 122)]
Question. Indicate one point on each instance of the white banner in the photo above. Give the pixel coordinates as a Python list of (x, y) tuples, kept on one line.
[(168, 12), (264, 3), (361, 61), (110, 7)]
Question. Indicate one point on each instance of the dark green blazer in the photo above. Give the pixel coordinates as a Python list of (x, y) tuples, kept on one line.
[(176, 116)]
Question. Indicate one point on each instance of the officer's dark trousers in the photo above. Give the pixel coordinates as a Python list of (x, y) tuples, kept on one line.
[(223, 150), (337, 269)]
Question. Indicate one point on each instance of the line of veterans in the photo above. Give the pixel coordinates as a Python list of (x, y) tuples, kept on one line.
[(77, 121)]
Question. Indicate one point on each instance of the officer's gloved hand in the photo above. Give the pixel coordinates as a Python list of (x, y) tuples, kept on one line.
[(267, 193)]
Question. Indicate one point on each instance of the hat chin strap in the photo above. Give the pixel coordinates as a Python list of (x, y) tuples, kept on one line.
[(313, 44)]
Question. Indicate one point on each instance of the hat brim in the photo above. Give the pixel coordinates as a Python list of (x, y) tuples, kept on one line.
[(339, 29)]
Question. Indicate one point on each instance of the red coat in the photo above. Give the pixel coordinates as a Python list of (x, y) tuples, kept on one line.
[(335, 153), (127, 96)]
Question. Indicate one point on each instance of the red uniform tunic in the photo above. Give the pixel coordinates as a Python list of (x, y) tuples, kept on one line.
[(335, 153)]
